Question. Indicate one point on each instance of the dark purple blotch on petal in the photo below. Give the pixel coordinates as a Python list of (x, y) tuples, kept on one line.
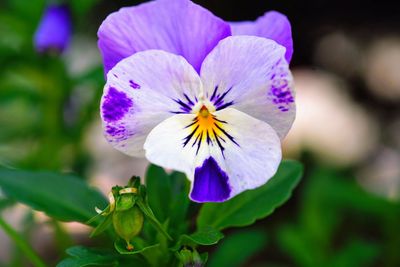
[(210, 183), (115, 105), (134, 85)]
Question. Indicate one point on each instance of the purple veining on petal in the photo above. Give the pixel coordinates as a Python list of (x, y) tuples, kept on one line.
[(210, 183), (219, 99), (134, 85), (115, 130), (185, 106), (115, 105), (279, 92), (118, 132)]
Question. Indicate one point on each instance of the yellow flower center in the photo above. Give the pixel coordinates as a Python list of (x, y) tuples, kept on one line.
[(206, 128)]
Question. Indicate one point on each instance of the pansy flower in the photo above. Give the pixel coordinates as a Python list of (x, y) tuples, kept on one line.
[(187, 95), (54, 30)]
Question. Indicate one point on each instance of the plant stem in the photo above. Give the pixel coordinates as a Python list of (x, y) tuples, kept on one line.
[(22, 244)]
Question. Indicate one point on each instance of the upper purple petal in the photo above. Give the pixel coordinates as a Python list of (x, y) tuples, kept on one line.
[(177, 26), (272, 25), (54, 30)]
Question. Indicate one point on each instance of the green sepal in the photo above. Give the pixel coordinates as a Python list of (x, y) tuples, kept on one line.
[(98, 216), (102, 226), (124, 202), (134, 182)]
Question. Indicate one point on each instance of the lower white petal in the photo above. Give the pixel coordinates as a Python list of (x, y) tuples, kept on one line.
[(223, 155)]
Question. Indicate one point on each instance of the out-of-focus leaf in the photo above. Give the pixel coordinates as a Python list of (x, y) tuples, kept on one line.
[(255, 204), (15, 33), (356, 253), (82, 256), (296, 244), (64, 197), (31, 10), (329, 201), (80, 7), (5, 203), (344, 192), (237, 248)]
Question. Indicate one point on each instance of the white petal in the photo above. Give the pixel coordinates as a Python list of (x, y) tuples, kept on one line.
[(252, 75), (165, 144), (142, 91), (243, 154)]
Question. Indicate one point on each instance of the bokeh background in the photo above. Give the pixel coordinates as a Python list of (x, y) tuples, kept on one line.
[(346, 64)]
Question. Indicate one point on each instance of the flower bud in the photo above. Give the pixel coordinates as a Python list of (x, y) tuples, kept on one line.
[(190, 258), (128, 223)]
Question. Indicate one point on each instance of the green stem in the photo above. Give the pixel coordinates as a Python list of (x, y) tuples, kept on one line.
[(22, 244), (150, 215)]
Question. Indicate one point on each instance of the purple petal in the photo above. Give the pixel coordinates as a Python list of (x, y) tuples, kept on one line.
[(272, 25), (180, 27), (210, 183), (54, 30)]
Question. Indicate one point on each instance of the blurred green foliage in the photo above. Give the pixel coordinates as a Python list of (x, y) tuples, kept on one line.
[(42, 127)]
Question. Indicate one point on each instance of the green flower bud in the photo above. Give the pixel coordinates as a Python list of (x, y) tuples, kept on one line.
[(190, 258), (128, 223)]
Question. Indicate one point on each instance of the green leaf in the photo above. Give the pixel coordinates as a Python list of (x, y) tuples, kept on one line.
[(207, 236), (158, 191), (168, 197), (82, 256), (252, 205), (237, 248), (64, 197), (179, 198)]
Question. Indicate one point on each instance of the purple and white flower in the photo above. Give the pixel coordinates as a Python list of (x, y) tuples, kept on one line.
[(185, 93), (54, 30)]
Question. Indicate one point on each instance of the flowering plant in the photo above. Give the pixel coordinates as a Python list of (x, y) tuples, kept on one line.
[(208, 99)]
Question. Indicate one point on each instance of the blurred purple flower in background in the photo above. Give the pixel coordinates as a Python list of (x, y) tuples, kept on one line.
[(189, 96), (54, 30)]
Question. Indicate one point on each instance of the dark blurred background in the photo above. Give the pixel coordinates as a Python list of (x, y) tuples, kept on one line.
[(346, 64)]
